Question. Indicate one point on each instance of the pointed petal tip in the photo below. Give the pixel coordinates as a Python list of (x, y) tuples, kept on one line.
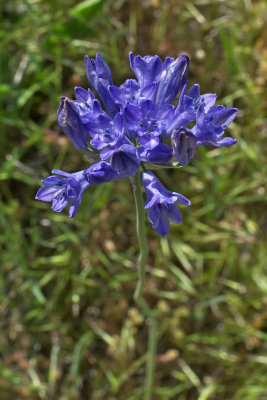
[(63, 98), (184, 55), (72, 212)]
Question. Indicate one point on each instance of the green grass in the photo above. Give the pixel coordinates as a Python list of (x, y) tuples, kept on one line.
[(69, 326)]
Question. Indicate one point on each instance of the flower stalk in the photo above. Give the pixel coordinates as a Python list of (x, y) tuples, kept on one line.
[(140, 127), (138, 294)]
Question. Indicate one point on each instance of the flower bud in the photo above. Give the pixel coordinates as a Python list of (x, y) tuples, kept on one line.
[(172, 79), (125, 161), (183, 145), (70, 122)]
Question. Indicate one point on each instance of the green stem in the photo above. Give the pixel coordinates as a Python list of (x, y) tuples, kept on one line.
[(151, 361), (138, 294)]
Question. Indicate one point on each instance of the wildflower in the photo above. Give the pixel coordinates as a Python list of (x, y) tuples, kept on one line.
[(162, 204), (148, 69), (99, 77), (101, 172), (138, 124), (172, 80), (183, 144), (161, 154), (60, 191), (210, 127), (70, 122), (125, 160)]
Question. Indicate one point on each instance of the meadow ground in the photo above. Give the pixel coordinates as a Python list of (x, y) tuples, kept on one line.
[(69, 327)]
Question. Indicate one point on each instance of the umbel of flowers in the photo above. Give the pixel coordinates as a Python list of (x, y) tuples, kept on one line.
[(138, 127)]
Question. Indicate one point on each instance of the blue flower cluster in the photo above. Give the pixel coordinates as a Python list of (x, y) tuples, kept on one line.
[(139, 126)]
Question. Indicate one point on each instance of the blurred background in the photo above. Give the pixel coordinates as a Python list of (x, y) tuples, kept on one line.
[(69, 327)]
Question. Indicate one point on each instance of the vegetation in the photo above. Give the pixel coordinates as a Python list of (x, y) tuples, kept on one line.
[(69, 326)]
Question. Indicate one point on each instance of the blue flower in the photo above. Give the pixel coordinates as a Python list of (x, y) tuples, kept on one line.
[(125, 160), (160, 81), (193, 99), (128, 93), (188, 106), (89, 107), (148, 69), (61, 191), (161, 154), (97, 69), (210, 126), (172, 79), (162, 204), (69, 120), (183, 145), (148, 122), (138, 124), (102, 172), (107, 134), (99, 77)]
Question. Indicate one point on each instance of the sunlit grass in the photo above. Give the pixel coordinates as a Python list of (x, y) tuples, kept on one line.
[(69, 328)]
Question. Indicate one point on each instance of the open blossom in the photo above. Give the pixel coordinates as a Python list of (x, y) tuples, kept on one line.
[(60, 191), (162, 204), (144, 121)]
